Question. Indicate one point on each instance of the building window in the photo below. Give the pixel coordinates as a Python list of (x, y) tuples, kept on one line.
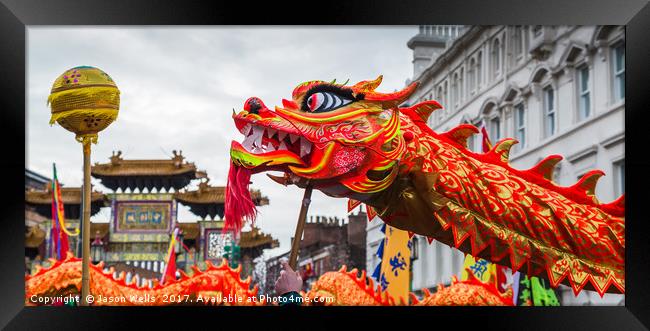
[(496, 57), (519, 42), (557, 173), (479, 68), (454, 91), (461, 86), (584, 102), (619, 179), (520, 125), (471, 142), (445, 94), (494, 129), (618, 57), (471, 75), (549, 111)]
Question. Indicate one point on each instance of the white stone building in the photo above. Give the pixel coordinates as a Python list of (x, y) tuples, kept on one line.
[(556, 89)]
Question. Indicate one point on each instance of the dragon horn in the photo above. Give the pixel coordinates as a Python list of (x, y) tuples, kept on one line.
[(389, 100), (368, 85)]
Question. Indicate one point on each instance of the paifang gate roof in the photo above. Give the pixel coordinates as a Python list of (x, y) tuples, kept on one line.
[(41, 201), (159, 174), (209, 200)]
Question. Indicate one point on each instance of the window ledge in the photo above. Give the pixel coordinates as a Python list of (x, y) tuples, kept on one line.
[(567, 131)]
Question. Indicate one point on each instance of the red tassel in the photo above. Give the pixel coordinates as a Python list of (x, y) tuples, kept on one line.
[(239, 206)]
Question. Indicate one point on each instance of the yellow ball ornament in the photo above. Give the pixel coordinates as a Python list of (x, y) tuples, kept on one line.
[(84, 100)]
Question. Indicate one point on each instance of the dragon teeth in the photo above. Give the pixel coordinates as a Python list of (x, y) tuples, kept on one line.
[(248, 142), (270, 148), (282, 147), (258, 132), (305, 147), (270, 132), (293, 138), (247, 129), (281, 135)]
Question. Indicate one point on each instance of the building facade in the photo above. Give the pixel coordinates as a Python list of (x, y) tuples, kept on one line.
[(556, 89)]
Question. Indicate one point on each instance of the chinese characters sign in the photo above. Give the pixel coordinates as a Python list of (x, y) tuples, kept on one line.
[(143, 216), (216, 241)]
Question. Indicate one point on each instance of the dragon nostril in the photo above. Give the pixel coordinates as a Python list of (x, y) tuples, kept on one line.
[(254, 105)]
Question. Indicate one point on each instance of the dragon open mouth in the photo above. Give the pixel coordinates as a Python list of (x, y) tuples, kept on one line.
[(265, 147), (261, 140)]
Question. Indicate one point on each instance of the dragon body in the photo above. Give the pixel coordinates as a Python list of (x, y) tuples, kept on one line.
[(213, 286), (347, 288), (354, 142)]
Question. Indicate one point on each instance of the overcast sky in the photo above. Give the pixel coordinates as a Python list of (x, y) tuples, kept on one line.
[(179, 86)]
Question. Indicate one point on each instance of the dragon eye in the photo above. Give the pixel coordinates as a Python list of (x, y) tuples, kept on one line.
[(325, 101)]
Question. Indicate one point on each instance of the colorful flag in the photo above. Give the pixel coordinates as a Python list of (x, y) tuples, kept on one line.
[(482, 269), (395, 275), (487, 145), (59, 233), (170, 265), (533, 291)]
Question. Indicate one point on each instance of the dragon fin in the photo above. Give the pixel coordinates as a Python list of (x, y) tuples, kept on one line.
[(353, 204), (460, 133), (616, 204), (371, 213), (501, 150), (546, 166), (424, 109), (587, 183)]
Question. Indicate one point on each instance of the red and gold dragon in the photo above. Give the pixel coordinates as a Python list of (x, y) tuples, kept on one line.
[(345, 288), (357, 143), (216, 285)]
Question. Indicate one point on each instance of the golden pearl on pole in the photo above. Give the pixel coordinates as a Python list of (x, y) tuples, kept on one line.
[(84, 100)]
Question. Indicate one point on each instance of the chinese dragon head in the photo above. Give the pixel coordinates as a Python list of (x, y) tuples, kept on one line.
[(357, 143)]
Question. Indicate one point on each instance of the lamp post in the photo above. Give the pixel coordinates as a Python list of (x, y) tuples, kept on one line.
[(84, 100)]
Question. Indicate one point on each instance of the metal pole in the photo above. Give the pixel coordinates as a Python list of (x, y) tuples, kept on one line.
[(300, 227), (85, 236)]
